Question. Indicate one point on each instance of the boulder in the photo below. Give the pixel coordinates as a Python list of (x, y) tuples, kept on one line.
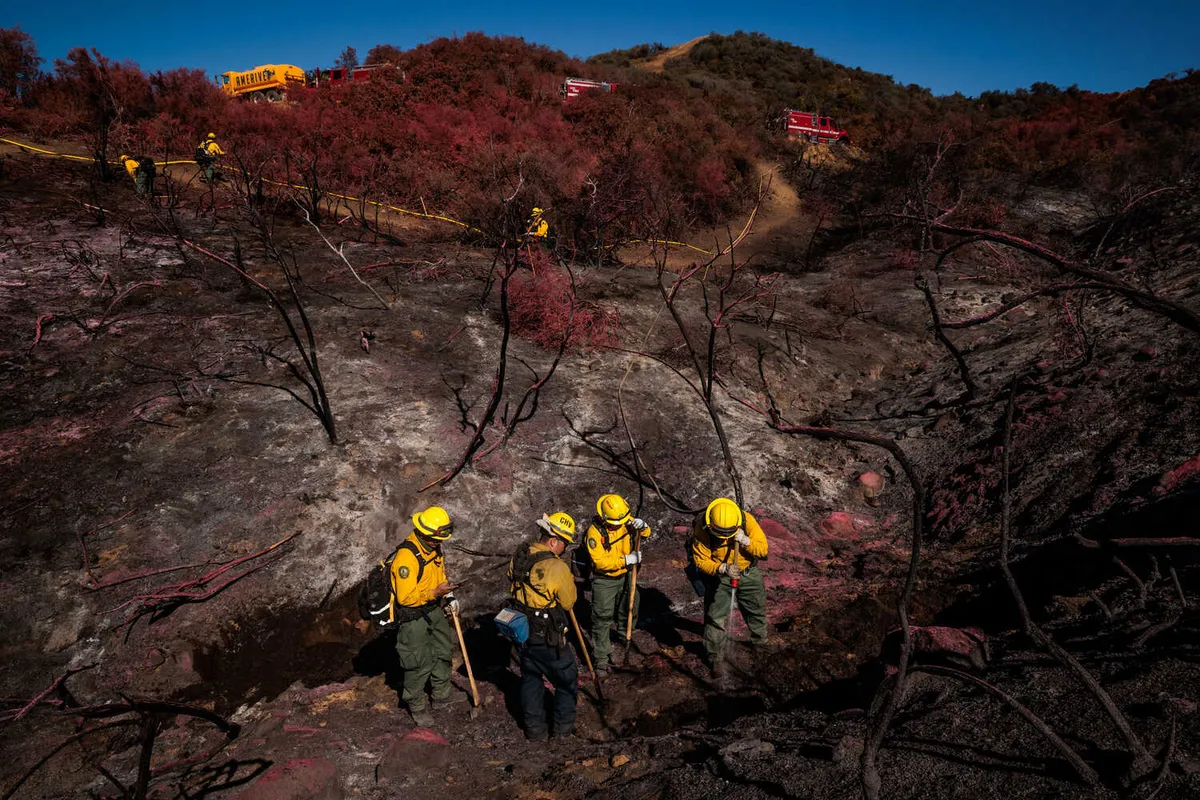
[(871, 486), (297, 779), (418, 746)]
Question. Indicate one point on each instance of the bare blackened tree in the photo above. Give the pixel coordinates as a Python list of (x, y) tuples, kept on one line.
[(508, 260), (1052, 271), (304, 366), (98, 722)]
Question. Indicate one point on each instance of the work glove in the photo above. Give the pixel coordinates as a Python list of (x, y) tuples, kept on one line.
[(638, 524), (730, 569), (450, 603), (742, 539), (633, 558)]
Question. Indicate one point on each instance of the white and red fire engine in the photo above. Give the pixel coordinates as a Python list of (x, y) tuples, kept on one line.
[(573, 87), (814, 127)]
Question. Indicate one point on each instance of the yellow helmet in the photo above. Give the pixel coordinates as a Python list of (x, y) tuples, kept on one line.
[(433, 522), (536, 211), (124, 157), (613, 509), (559, 524), (211, 136), (723, 517)]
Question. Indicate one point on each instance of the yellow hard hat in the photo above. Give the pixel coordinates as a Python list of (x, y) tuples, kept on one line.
[(212, 136), (723, 517), (124, 157), (433, 522), (613, 509), (558, 524), (537, 210)]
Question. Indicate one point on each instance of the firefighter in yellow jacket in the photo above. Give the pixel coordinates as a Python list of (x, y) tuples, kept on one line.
[(727, 544), (207, 153), (543, 589), (141, 170), (422, 599), (612, 551), (538, 228)]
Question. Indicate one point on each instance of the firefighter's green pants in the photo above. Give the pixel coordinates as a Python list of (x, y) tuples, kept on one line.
[(751, 602), (425, 646), (610, 601), (143, 180)]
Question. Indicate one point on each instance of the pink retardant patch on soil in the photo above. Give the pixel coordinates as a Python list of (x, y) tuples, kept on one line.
[(43, 434), (299, 778), (1183, 472), (846, 524), (423, 735), (948, 641)]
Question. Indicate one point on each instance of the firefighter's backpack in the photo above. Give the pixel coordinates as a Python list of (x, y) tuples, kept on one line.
[(375, 596), (581, 562), (512, 622)]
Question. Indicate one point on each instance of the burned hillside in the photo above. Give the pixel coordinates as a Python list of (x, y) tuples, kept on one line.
[(960, 399)]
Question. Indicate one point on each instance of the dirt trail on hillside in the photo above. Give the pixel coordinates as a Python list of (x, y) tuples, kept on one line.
[(779, 227), (658, 61)]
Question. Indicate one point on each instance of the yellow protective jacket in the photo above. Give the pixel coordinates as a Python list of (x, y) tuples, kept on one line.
[(551, 577), (131, 166), (608, 554), (212, 148), (416, 574), (709, 552), (538, 228)]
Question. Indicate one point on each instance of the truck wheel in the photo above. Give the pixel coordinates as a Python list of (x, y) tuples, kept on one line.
[(257, 97), (272, 96)]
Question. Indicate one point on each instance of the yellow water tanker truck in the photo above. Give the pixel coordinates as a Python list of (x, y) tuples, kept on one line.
[(269, 83)]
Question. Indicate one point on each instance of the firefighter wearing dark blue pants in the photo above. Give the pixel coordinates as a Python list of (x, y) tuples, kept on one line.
[(543, 588)]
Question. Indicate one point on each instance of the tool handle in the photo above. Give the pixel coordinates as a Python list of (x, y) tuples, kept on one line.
[(632, 597), (467, 661), (583, 648)]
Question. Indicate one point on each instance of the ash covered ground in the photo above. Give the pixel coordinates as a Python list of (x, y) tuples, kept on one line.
[(150, 435)]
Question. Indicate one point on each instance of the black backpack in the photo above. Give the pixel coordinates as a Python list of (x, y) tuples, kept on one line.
[(581, 561), (546, 625), (375, 597), (203, 157)]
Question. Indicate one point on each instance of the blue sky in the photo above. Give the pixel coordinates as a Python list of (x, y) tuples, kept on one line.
[(1103, 45)]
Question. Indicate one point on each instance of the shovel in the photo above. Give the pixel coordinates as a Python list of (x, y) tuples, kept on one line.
[(633, 573), (587, 658), (467, 661)]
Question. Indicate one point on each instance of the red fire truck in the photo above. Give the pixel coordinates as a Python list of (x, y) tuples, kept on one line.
[(814, 127), (341, 75), (573, 87)]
